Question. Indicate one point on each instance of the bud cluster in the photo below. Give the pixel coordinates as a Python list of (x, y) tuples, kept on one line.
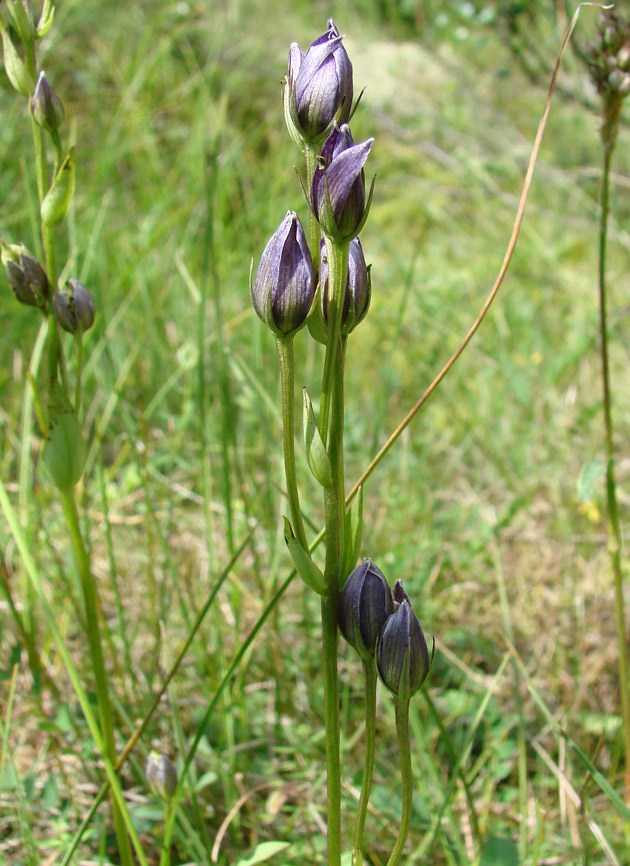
[(318, 106), (609, 56), (382, 625)]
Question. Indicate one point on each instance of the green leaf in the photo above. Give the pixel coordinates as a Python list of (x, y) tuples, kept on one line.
[(589, 475), (318, 460), (354, 528), (497, 851), (262, 852), (57, 200)]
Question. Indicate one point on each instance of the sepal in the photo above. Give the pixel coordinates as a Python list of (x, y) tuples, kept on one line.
[(303, 562)]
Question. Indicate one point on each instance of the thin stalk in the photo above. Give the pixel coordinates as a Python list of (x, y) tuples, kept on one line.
[(310, 156), (287, 377), (337, 277), (613, 523), (94, 638), (336, 444), (331, 711), (402, 730), (369, 673)]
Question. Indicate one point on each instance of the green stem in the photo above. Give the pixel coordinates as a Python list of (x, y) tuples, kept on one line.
[(310, 156), (336, 446), (613, 522), (369, 672), (94, 639), (402, 729), (287, 376), (337, 277), (331, 711)]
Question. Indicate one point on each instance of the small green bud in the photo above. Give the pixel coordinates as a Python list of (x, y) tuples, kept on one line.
[(161, 775), (47, 109), (57, 200), (20, 15), (46, 19), (26, 276), (16, 70), (74, 307)]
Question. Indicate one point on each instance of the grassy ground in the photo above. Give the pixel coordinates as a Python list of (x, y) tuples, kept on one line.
[(479, 509)]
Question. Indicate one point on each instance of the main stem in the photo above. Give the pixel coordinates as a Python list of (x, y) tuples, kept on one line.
[(330, 603), (287, 377), (402, 729), (613, 523), (337, 277), (88, 587), (369, 673)]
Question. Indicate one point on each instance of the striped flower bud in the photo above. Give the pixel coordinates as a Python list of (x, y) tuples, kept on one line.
[(365, 605), (74, 307), (338, 190), (283, 290), (319, 85), (402, 657), (47, 109)]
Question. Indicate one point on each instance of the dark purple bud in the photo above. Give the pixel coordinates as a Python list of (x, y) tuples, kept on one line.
[(283, 290), (47, 109), (27, 278), (74, 307), (161, 775), (338, 191), (364, 607), (320, 84), (402, 657), (356, 300)]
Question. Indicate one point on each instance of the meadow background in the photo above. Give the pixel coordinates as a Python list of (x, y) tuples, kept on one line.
[(489, 509)]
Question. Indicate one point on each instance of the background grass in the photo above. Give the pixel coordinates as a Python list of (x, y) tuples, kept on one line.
[(478, 509)]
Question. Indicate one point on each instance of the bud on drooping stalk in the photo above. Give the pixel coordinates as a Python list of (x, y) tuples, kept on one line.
[(47, 109), (161, 775), (319, 86), (356, 301), (74, 307), (365, 605), (338, 191), (609, 67), (402, 657), (27, 277), (283, 290)]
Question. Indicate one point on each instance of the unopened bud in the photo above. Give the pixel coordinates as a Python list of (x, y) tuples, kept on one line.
[(47, 109), (74, 307), (402, 657), (161, 775), (26, 276), (365, 605)]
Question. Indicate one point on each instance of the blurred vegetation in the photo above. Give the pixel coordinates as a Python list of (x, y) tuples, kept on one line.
[(490, 509)]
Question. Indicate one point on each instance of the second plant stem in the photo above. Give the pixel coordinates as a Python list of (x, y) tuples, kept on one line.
[(369, 673), (402, 730), (614, 528), (94, 639)]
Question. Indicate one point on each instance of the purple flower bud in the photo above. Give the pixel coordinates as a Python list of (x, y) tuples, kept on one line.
[(47, 109), (356, 300), (74, 307), (320, 84), (27, 278), (283, 290), (364, 607), (402, 657), (161, 775), (338, 191)]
